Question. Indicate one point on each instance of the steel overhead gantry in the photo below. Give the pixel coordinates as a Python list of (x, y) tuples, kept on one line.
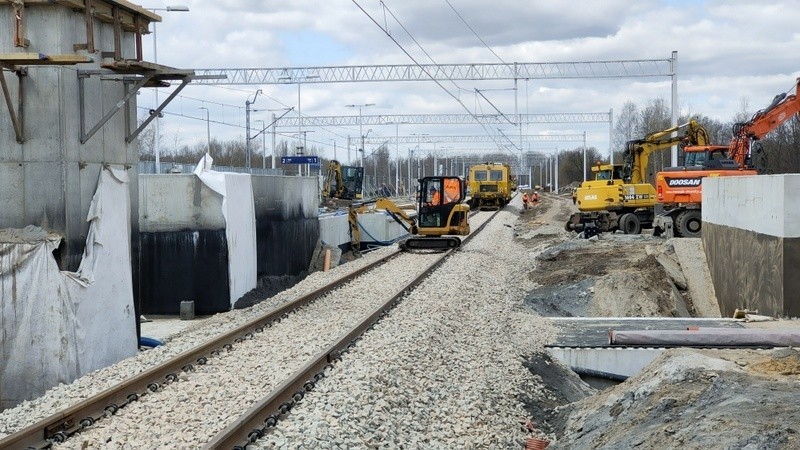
[(426, 72), (636, 68)]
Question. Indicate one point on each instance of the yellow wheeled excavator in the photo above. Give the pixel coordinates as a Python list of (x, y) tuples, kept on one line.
[(439, 218), (619, 197)]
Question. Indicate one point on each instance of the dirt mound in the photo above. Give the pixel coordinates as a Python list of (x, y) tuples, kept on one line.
[(689, 398), (613, 276)]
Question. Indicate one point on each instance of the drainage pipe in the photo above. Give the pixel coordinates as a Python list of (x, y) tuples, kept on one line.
[(583, 371)]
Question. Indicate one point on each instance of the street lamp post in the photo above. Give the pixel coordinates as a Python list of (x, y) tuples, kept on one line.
[(360, 126), (156, 139), (584, 156), (208, 131)]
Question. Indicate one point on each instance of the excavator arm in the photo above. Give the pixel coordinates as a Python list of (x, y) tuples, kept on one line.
[(782, 108), (333, 179), (637, 152), (395, 212)]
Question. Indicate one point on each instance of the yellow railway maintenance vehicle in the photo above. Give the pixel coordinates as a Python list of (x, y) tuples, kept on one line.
[(441, 215), (491, 185)]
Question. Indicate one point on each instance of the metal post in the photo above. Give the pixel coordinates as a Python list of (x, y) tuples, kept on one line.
[(247, 104), (410, 154), (584, 157), (397, 153), (208, 131), (156, 139), (263, 144), (611, 136), (674, 71), (273, 141)]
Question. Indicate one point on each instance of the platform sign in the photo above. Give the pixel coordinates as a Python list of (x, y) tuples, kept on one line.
[(299, 160)]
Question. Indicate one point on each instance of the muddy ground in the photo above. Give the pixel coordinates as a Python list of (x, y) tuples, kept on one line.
[(688, 398)]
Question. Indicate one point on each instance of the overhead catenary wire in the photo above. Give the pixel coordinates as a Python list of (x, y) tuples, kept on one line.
[(474, 32), (418, 64)]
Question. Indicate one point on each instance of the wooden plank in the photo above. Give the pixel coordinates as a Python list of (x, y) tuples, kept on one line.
[(39, 59)]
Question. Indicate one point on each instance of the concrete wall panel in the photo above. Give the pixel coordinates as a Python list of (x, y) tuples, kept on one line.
[(43, 201), (12, 186), (287, 223), (751, 235), (177, 202), (766, 204)]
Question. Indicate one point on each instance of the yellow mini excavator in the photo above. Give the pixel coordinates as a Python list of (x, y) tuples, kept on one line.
[(441, 215)]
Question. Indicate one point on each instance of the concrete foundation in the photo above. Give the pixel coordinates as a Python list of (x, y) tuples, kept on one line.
[(751, 236)]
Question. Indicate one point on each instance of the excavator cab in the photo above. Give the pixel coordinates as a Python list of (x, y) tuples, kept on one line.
[(438, 206)]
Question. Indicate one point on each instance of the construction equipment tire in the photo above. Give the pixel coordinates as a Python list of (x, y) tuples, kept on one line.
[(629, 224), (688, 223)]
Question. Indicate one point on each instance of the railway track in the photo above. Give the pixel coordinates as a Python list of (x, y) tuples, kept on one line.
[(183, 379)]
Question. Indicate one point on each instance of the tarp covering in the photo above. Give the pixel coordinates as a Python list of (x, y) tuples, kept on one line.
[(57, 326), (238, 208), (714, 337)]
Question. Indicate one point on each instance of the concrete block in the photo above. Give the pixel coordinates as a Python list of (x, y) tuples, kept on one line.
[(187, 310), (673, 270)]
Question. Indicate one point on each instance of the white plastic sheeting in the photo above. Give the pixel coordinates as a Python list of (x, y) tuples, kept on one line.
[(56, 325), (238, 208)]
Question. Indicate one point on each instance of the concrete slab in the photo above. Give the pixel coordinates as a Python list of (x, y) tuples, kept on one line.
[(692, 259), (165, 328)]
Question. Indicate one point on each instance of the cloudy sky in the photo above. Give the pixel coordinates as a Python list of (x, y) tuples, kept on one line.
[(727, 51)]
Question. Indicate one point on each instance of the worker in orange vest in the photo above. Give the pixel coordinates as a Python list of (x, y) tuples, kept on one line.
[(524, 200), (535, 197)]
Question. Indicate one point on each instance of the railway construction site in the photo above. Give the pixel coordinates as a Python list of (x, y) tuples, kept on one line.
[(446, 350)]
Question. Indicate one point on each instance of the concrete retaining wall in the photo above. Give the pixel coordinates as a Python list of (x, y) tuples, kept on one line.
[(751, 236), (184, 254)]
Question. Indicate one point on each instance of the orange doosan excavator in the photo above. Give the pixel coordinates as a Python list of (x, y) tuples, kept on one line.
[(679, 189)]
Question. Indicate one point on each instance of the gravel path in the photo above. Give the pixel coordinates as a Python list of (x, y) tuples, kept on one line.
[(443, 370)]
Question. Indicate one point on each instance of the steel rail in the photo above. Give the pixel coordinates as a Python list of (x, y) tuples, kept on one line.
[(266, 413), (59, 426)]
